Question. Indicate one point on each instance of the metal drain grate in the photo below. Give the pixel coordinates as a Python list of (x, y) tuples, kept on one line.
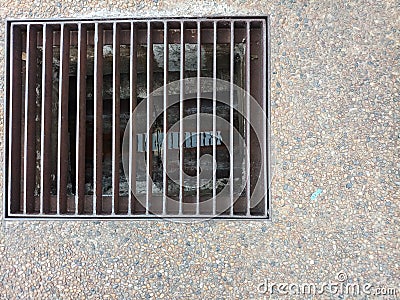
[(74, 89)]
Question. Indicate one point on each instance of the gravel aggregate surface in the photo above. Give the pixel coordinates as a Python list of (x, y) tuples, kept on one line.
[(335, 108)]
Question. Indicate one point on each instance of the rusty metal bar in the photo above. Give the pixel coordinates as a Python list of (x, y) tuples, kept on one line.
[(98, 121), (81, 120), (267, 45), (181, 99), (116, 155), (132, 127), (47, 72), (265, 108), (62, 163), (131, 136), (257, 143), (149, 152), (214, 121), (135, 20), (15, 111), (231, 145), (121, 217), (248, 81), (198, 128), (165, 122), (30, 113)]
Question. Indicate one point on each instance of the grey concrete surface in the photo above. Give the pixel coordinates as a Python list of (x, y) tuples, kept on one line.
[(335, 116)]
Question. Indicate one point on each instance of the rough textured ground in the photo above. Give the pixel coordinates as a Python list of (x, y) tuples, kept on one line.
[(335, 116)]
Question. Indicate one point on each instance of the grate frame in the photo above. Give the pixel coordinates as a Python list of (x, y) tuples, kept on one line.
[(27, 186)]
